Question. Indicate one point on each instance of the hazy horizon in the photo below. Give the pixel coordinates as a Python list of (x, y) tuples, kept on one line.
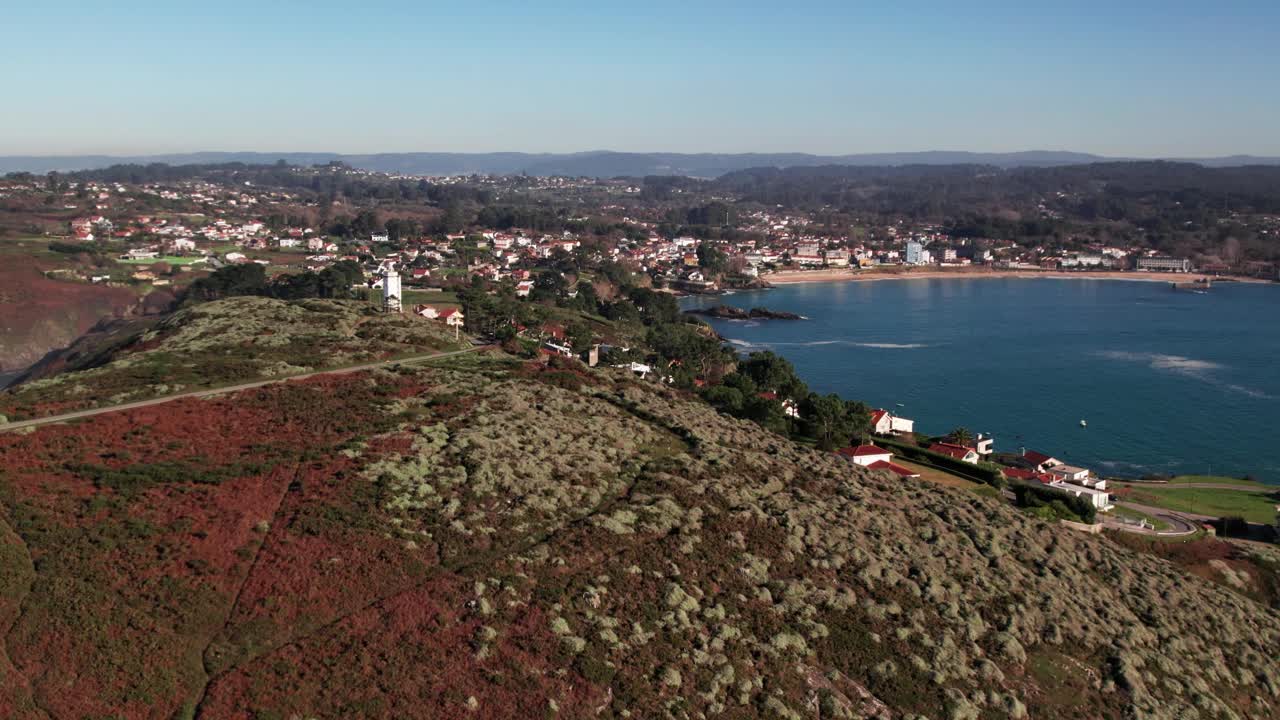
[(414, 151), (1118, 79)]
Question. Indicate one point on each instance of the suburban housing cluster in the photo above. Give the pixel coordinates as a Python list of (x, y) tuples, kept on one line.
[(1028, 467)]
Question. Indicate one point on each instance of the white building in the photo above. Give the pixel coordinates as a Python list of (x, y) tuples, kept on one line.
[(836, 258), (1069, 473), (885, 423), (916, 253), (867, 455), (1164, 264), (1099, 499), (391, 293)]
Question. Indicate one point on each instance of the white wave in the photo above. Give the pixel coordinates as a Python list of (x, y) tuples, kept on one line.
[(892, 346), (851, 343), (1202, 370), (1157, 361)]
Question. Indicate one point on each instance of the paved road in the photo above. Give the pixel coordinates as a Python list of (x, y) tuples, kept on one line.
[(1180, 523), (226, 390)]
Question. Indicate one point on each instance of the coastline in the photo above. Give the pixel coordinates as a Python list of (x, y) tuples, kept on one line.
[(793, 277)]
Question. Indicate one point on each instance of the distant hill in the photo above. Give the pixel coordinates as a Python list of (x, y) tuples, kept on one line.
[(601, 163)]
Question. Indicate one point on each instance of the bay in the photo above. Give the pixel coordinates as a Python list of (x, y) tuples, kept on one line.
[(1168, 382)]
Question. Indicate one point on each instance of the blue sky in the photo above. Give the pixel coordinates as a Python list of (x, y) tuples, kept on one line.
[(1120, 78)]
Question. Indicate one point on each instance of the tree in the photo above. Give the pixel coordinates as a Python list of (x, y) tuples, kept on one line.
[(961, 436), (655, 307), (229, 281), (726, 399), (712, 259), (827, 419), (549, 285), (774, 373), (767, 413)]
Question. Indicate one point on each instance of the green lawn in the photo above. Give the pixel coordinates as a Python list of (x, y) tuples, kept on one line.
[(1216, 480), (409, 298), (939, 476), (1256, 507), (170, 259)]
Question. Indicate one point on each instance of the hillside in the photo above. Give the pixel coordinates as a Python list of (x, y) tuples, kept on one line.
[(38, 314), (484, 537), (217, 343)]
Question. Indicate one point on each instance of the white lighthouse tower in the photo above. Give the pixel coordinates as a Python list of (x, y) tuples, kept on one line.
[(390, 288)]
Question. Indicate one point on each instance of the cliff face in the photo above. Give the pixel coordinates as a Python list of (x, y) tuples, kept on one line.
[(488, 538), (38, 315)]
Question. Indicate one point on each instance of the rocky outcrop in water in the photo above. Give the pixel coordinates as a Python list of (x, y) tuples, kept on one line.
[(728, 312)]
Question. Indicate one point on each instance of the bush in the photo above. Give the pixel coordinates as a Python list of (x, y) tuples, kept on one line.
[(982, 472), (1232, 526), (1062, 505)]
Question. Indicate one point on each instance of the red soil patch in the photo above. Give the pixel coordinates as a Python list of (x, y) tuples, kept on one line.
[(144, 526), (411, 656)]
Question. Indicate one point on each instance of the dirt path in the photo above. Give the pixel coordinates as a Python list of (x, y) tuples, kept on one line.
[(227, 390)]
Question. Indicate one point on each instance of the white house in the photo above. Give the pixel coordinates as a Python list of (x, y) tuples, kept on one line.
[(451, 316), (1040, 460), (959, 452), (984, 445), (1069, 473), (885, 423), (1100, 499), (876, 458), (866, 454)]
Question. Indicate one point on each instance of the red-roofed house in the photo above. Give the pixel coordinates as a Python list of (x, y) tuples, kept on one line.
[(959, 452), (1040, 460), (1028, 475), (451, 316), (865, 455), (894, 468), (876, 458), (885, 423)]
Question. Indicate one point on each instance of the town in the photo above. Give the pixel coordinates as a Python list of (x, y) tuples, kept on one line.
[(575, 258)]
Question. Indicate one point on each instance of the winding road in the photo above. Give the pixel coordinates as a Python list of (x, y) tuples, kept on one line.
[(1180, 523), (78, 414)]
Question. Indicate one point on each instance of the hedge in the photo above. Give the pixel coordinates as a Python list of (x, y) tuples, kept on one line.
[(982, 472), (1030, 496)]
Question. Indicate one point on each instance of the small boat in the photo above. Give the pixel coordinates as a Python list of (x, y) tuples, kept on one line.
[(1084, 424)]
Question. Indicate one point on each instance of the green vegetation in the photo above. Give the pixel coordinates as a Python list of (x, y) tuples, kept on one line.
[(1258, 507), (224, 342), (1215, 480), (498, 536), (334, 282), (942, 477), (1051, 504), (166, 259), (983, 472)]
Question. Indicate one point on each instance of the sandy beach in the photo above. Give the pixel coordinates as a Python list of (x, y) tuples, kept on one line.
[(789, 277)]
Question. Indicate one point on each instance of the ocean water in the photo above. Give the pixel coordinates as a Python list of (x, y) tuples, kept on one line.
[(1168, 381)]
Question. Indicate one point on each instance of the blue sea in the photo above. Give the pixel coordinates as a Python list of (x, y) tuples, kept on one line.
[(1168, 382)]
